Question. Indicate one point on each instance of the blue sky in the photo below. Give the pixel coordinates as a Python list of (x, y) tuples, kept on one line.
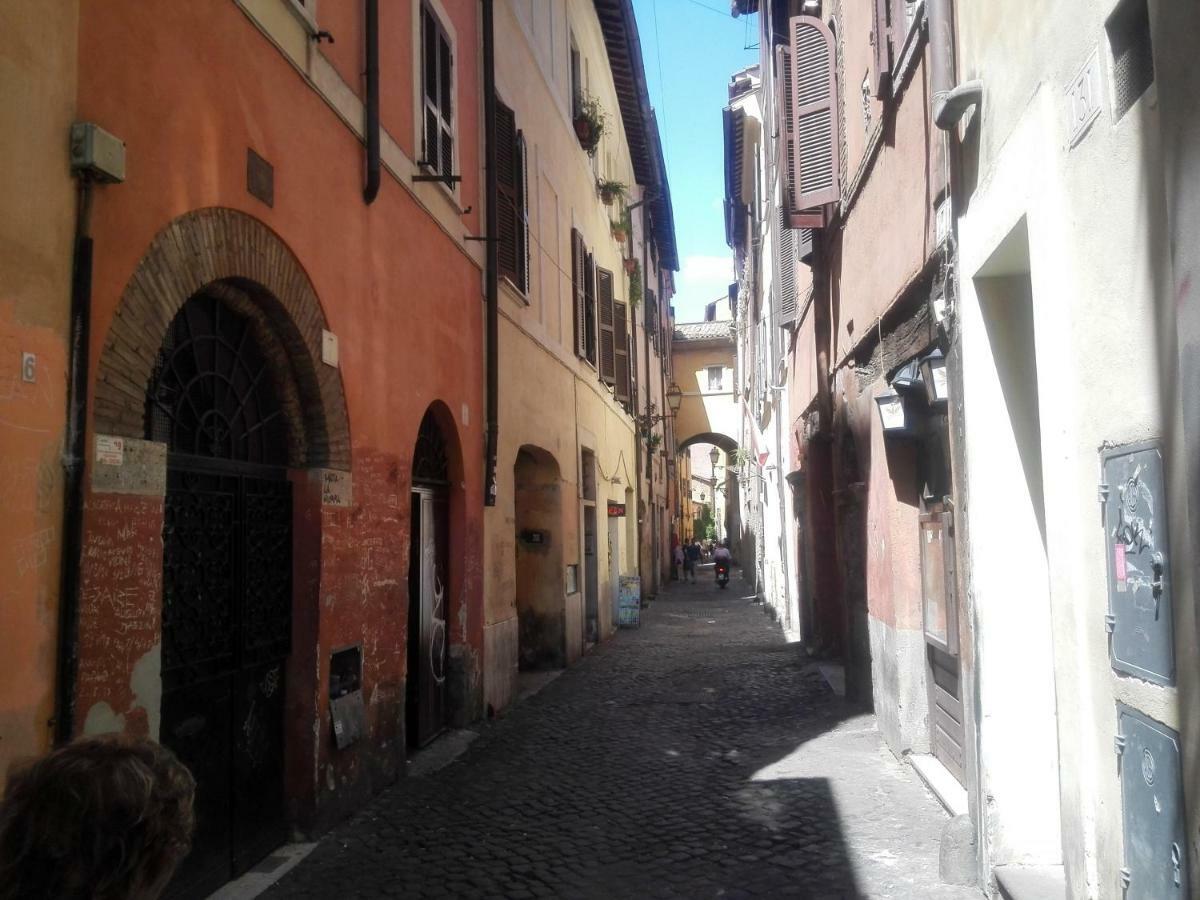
[(698, 45)]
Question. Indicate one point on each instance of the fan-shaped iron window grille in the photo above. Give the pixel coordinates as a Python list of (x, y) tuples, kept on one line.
[(211, 393), (431, 463)]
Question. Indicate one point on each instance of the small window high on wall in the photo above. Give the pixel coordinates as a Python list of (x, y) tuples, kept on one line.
[(716, 378)]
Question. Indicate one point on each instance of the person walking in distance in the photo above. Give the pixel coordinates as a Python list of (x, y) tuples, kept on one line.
[(691, 559), (677, 561), (103, 818)]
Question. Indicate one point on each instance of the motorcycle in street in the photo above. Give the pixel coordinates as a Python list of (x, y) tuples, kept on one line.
[(722, 567)]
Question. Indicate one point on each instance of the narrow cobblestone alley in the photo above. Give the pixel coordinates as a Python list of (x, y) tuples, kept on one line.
[(697, 756)]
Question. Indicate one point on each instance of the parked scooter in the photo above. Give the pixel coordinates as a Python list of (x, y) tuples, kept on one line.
[(722, 573)]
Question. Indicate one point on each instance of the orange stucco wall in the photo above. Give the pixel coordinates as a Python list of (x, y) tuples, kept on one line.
[(37, 71), (189, 92)]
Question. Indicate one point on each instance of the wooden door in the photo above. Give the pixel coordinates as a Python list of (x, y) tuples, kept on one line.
[(940, 614)]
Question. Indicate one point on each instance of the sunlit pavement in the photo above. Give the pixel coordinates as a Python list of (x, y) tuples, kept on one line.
[(697, 756)]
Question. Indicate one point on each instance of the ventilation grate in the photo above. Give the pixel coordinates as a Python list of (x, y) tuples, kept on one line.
[(1133, 54)]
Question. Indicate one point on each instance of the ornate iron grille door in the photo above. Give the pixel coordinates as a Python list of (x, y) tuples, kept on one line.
[(227, 586)]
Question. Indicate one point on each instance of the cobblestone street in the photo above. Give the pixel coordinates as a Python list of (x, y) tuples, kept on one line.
[(697, 756)]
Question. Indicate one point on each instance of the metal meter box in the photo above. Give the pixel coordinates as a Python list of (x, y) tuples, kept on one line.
[(1139, 562), (1155, 865), (96, 153)]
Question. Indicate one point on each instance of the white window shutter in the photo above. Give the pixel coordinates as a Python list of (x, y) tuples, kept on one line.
[(815, 163)]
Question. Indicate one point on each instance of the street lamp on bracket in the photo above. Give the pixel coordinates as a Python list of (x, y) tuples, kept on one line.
[(648, 420)]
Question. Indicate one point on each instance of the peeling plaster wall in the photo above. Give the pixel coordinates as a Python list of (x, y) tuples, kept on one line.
[(391, 278)]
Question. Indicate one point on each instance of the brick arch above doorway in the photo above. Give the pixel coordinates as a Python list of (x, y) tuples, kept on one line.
[(219, 246)]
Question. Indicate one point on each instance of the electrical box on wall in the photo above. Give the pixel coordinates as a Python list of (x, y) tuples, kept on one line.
[(1155, 866), (96, 153), (1140, 616), (346, 706)]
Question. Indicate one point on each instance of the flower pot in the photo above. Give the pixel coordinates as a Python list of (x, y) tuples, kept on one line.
[(607, 197), (619, 235), (630, 266)]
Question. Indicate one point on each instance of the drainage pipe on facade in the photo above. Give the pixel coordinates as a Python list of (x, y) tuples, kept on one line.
[(950, 101), (73, 465), (371, 189), (492, 275)]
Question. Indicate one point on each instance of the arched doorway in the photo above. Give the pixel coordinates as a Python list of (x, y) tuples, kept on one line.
[(215, 399), (428, 580), (540, 592)]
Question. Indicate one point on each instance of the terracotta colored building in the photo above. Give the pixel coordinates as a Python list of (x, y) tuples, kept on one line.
[(282, 503)]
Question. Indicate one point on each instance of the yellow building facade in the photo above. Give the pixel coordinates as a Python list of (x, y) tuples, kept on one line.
[(564, 527)]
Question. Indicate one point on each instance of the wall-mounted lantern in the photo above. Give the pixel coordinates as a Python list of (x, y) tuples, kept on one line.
[(908, 378), (674, 398), (714, 455), (893, 415), (933, 373)]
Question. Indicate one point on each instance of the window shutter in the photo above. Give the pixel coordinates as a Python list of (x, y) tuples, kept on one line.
[(785, 148), (815, 164), (508, 247), (578, 304), (881, 38), (604, 291), (524, 277), (447, 104), (621, 351), (589, 306), (785, 269)]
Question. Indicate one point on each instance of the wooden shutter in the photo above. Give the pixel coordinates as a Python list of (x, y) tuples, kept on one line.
[(881, 39), (621, 351), (604, 292), (589, 307), (508, 247), (783, 113), (815, 163), (785, 269), (523, 251), (579, 306)]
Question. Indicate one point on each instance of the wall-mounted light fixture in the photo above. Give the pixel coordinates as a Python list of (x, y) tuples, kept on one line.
[(933, 373), (908, 378), (674, 398), (893, 415)]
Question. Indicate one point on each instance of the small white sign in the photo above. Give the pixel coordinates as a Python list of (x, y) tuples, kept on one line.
[(110, 451), (329, 348), (1085, 94), (336, 488), (28, 368)]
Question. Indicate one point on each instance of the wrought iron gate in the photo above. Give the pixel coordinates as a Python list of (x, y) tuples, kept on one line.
[(226, 632), (227, 586)]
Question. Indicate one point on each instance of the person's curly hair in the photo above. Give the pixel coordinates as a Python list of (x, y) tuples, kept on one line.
[(103, 818)]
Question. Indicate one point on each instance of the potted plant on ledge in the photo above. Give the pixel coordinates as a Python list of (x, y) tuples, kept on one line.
[(610, 190), (589, 123), (621, 229)]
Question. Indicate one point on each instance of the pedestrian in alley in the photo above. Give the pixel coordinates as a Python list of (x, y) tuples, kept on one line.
[(103, 818), (677, 560), (691, 559)]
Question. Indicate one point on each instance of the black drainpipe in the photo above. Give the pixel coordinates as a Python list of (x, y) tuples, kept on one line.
[(73, 453), (492, 275), (371, 189)]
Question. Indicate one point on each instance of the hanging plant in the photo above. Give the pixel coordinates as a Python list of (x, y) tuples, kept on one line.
[(653, 441), (631, 265), (589, 123), (635, 283), (610, 191)]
